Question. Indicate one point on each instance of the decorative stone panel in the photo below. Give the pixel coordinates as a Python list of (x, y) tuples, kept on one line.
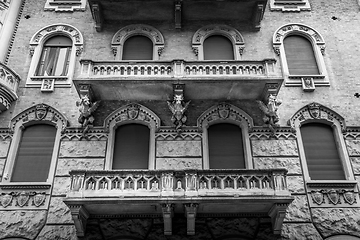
[(82, 149), (4, 148), (65, 165), (65, 6), (61, 185), (178, 163), (178, 148), (298, 210), (296, 184), (355, 162), (333, 221), (58, 212), (67, 232), (291, 164), (353, 147), (290, 6), (274, 148), (291, 231), (25, 224)]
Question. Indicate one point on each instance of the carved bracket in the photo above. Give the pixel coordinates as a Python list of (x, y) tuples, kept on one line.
[(80, 216), (277, 214), (258, 15), (178, 6), (97, 16), (168, 213), (190, 214)]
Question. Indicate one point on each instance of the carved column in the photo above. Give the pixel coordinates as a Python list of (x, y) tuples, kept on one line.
[(167, 210)]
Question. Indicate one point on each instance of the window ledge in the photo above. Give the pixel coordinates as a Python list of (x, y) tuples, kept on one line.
[(24, 185)]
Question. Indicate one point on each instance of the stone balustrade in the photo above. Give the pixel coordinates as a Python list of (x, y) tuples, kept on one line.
[(9, 82), (177, 69), (111, 183)]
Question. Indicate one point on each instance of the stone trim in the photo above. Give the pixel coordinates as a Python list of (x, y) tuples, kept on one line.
[(315, 112), (301, 5), (76, 134), (265, 133), (166, 134), (131, 113), (231, 33), (62, 6), (36, 47), (226, 113), (318, 45), (119, 38)]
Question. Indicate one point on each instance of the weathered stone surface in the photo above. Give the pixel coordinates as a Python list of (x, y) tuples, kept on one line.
[(67, 232), (58, 211), (239, 226), (4, 148), (274, 147), (297, 231), (61, 185), (353, 147), (298, 210), (355, 162), (332, 221), (82, 149), (25, 224), (291, 164), (178, 163), (65, 165), (295, 184), (2, 164), (136, 228), (178, 148)]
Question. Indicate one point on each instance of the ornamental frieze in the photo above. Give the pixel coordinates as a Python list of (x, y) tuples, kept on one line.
[(321, 197), (23, 200)]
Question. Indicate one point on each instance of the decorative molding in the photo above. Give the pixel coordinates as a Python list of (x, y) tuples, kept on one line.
[(124, 33), (165, 134), (23, 200), (65, 6), (76, 134), (6, 133), (231, 33), (352, 133), (265, 133), (290, 6), (9, 81)]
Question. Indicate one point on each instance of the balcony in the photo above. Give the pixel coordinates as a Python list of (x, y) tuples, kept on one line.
[(163, 193), (180, 13), (9, 81), (152, 80)]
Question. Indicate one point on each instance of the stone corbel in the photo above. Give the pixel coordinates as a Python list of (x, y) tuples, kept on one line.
[(97, 15), (308, 84), (190, 214), (80, 216), (258, 15), (277, 214), (168, 213), (178, 6)]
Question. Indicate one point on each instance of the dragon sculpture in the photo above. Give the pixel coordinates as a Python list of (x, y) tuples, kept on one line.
[(86, 108), (178, 108), (271, 117)]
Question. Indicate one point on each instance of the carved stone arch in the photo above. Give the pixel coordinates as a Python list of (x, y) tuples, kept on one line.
[(38, 114), (131, 113), (231, 33), (45, 33), (226, 113), (126, 32)]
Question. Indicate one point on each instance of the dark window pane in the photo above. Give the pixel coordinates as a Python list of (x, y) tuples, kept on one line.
[(34, 154), (138, 48), (321, 152), (218, 48), (226, 149), (131, 148)]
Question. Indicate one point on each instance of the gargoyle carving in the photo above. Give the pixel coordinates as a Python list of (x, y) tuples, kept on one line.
[(86, 108), (270, 110), (178, 108)]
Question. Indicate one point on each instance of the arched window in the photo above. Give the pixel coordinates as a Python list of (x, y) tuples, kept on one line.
[(226, 148), (300, 56), (131, 148), (321, 152), (138, 48), (54, 60), (218, 47)]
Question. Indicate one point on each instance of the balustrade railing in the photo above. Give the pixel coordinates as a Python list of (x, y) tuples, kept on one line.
[(176, 68), (187, 182)]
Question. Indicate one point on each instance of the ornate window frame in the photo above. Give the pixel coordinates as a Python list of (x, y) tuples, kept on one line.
[(231, 33), (302, 5), (65, 6), (226, 113), (119, 38), (308, 82), (47, 84), (315, 112), (131, 113)]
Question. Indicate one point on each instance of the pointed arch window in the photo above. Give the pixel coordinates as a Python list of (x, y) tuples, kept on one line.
[(131, 148), (218, 47), (138, 48)]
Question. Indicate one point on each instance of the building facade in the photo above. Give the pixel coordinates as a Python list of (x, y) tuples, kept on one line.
[(179, 119)]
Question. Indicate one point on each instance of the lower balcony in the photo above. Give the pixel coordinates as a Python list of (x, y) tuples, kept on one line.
[(163, 193), (9, 82)]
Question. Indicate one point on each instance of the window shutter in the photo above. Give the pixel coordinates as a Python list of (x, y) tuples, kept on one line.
[(218, 48), (226, 149), (321, 152), (131, 148), (300, 56), (138, 48), (34, 154)]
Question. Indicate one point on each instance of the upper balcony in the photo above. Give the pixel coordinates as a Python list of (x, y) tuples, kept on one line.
[(9, 81), (152, 80), (248, 13), (162, 193)]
